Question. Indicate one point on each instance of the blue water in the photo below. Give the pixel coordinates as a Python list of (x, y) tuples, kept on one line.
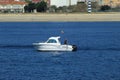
[(97, 57)]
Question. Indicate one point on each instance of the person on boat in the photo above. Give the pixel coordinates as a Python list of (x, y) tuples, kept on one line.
[(65, 42)]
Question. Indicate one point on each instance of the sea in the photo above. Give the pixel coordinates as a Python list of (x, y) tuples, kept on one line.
[(97, 56)]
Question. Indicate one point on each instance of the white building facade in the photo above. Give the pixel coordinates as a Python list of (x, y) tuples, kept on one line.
[(12, 6)]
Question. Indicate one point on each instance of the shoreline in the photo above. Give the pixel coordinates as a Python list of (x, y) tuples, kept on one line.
[(60, 17)]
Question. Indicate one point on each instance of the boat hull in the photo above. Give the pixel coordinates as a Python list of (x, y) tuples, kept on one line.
[(53, 47)]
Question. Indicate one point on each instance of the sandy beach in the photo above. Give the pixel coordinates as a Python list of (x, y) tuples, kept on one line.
[(65, 17)]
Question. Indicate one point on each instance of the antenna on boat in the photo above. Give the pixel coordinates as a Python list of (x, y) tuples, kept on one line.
[(62, 32)]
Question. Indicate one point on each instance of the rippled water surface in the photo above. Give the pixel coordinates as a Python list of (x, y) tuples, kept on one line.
[(97, 57)]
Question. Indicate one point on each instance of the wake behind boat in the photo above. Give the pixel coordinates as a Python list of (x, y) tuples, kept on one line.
[(53, 44)]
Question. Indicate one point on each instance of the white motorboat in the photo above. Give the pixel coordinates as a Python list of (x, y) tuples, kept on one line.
[(53, 44)]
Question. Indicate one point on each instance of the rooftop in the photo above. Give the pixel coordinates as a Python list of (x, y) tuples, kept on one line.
[(5, 2)]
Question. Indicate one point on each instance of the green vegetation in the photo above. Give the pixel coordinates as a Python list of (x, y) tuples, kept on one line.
[(28, 1), (105, 8), (30, 7), (40, 7), (79, 7)]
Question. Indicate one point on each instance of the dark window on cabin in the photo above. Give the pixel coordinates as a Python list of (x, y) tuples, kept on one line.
[(52, 41)]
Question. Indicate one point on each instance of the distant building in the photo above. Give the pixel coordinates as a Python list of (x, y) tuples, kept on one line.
[(12, 6), (48, 2), (112, 3)]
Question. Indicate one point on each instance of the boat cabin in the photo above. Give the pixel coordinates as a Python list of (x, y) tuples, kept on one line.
[(53, 40)]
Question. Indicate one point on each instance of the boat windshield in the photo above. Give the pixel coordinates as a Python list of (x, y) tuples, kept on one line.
[(52, 41)]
